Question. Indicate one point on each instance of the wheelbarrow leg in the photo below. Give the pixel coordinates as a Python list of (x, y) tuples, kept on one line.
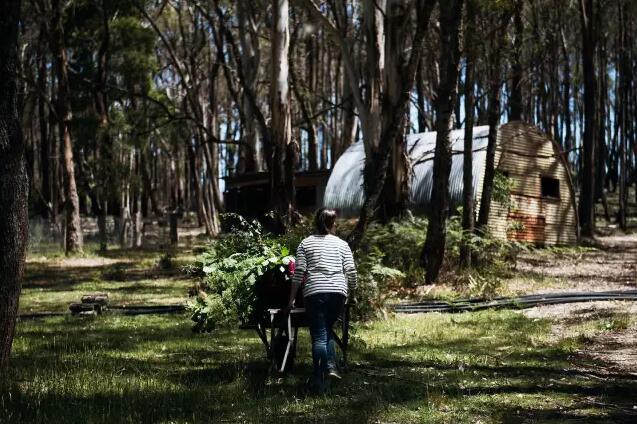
[(273, 346), (291, 345)]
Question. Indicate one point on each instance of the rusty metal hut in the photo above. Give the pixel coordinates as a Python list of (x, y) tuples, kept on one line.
[(542, 210)]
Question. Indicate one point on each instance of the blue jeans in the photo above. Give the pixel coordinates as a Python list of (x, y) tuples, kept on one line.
[(322, 311)]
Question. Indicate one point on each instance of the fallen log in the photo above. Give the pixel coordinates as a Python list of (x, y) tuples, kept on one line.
[(99, 298), (78, 308)]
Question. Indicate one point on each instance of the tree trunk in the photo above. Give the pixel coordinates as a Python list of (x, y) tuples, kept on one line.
[(624, 84), (285, 150), (493, 120), (587, 193), (434, 248), (45, 144), (467, 167), (104, 151), (14, 185), (396, 190), (72, 203), (489, 171), (248, 154), (516, 66)]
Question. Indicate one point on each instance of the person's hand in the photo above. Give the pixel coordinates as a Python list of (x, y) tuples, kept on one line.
[(289, 307)]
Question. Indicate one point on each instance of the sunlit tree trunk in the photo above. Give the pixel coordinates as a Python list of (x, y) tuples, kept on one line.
[(72, 203), (285, 150)]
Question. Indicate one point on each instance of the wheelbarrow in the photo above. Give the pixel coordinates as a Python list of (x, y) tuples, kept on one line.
[(283, 328)]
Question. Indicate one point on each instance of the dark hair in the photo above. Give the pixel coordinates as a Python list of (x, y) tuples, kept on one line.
[(324, 221)]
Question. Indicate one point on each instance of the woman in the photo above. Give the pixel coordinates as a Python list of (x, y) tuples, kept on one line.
[(325, 266)]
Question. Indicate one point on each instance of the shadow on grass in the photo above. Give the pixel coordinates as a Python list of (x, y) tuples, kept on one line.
[(152, 369), (55, 278)]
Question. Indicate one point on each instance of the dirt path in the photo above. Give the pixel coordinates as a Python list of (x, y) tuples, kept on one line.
[(612, 348), (612, 266)]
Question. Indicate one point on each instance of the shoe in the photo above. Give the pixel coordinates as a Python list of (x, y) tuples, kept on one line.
[(333, 374)]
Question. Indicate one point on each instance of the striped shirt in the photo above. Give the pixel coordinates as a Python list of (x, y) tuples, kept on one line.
[(327, 263)]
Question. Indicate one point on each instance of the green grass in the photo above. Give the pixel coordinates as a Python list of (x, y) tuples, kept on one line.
[(488, 367), (128, 276)]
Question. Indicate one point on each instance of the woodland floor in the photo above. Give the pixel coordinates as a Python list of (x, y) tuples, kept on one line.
[(563, 363)]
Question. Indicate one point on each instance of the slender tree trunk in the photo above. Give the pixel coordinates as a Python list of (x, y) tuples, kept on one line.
[(396, 189), (311, 82), (489, 171), (72, 203), (14, 185), (249, 160), (104, 151), (45, 144), (566, 107), (493, 119), (587, 193), (516, 66), (623, 118), (602, 151), (467, 166), (434, 248), (285, 150), (378, 155), (420, 97), (147, 183)]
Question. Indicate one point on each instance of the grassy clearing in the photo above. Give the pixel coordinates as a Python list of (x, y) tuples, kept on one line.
[(479, 367), (128, 276), (488, 367)]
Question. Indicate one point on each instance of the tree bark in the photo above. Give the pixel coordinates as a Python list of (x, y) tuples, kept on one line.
[(624, 83), (285, 150), (378, 154), (45, 145), (516, 66), (14, 185), (467, 166), (434, 248), (493, 119), (587, 192), (72, 203), (104, 154), (249, 160)]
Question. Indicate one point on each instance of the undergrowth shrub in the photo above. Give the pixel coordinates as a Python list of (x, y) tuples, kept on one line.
[(387, 260), (231, 267)]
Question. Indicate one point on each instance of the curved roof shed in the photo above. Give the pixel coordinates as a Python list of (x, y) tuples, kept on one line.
[(542, 210)]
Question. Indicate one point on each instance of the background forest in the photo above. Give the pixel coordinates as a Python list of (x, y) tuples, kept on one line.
[(124, 122), (131, 109)]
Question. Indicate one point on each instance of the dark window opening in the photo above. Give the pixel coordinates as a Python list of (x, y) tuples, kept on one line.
[(550, 187)]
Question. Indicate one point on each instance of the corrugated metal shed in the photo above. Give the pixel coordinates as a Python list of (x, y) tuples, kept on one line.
[(344, 189)]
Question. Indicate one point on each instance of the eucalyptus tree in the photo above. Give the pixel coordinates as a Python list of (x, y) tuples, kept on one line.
[(14, 187), (388, 73), (589, 22), (73, 226), (447, 95)]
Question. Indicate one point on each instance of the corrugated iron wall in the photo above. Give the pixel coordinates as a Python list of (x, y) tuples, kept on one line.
[(344, 189)]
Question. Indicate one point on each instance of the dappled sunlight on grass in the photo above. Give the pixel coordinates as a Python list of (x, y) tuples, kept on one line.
[(490, 366), (130, 277)]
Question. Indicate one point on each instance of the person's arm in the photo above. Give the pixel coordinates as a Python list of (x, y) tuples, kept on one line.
[(349, 268), (300, 266)]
